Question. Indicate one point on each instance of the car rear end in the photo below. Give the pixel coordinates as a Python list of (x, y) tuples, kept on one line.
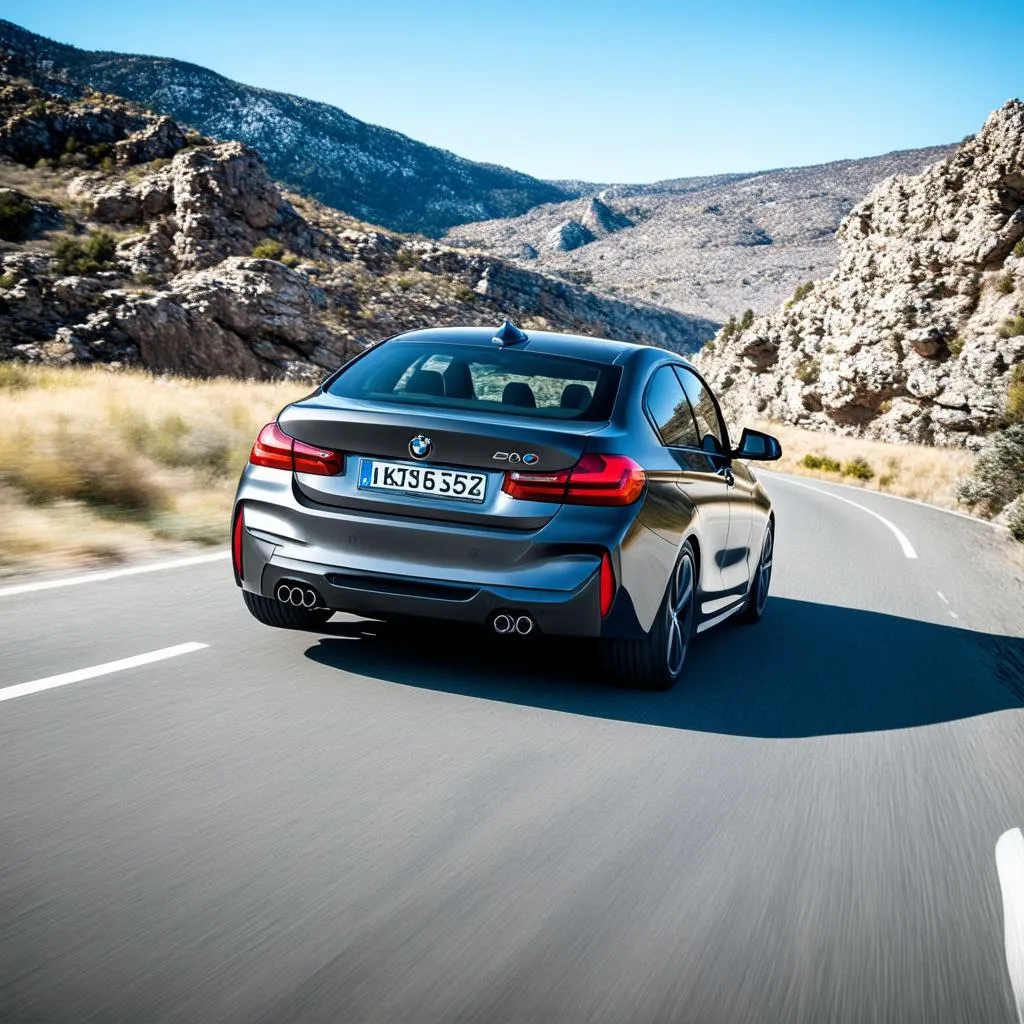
[(443, 476)]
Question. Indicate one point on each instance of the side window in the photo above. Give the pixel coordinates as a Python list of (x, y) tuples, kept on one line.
[(710, 427), (670, 411)]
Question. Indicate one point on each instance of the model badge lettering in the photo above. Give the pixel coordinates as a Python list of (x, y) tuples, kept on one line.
[(530, 459)]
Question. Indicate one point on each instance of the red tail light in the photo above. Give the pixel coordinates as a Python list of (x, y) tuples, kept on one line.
[(236, 545), (607, 585), (594, 480), (276, 450)]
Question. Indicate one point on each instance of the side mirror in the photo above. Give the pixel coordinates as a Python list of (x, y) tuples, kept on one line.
[(754, 444)]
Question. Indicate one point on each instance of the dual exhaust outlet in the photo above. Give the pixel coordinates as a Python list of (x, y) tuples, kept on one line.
[(505, 623), (297, 594)]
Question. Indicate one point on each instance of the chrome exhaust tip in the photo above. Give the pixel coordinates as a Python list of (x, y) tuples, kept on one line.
[(524, 625), (299, 595), (503, 623)]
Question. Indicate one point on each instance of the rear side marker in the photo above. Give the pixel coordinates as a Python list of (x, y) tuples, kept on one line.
[(236, 544), (607, 585)]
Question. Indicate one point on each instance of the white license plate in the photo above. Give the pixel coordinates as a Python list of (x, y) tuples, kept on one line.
[(426, 480)]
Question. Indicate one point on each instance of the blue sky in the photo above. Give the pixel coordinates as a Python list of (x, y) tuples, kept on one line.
[(607, 90)]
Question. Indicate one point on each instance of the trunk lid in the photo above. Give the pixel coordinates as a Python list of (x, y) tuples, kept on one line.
[(489, 444)]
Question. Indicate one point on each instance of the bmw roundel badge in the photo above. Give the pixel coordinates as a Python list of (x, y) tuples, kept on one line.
[(420, 446), (530, 459)]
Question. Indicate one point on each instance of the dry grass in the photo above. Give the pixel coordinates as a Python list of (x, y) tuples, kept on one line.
[(102, 465), (908, 470)]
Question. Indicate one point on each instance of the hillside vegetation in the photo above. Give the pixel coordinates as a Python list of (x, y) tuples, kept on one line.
[(712, 246), (127, 240), (372, 173)]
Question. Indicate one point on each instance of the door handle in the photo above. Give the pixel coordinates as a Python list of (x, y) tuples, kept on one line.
[(726, 474)]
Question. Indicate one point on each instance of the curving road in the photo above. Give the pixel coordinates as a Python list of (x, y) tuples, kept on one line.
[(381, 826)]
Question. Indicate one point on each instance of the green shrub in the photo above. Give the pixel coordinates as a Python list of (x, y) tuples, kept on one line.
[(998, 475), (464, 293), (808, 371), (859, 469), (709, 346), (1015, 395), (1004, 284), (404, 283), (405, 259), (956, 346), (290, 259), (75, 257), (1012, 327), (268, 249), (1016, 519), (829, 465), (16, 215), (1018, 249), (747, 319), (730, 328), (802, 291)]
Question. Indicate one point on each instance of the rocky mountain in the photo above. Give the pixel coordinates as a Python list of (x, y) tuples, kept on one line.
[(918, 334), (710, 246), (369, 172), (126, 240)]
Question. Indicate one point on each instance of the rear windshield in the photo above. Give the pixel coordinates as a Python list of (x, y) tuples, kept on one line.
[(506, 380)]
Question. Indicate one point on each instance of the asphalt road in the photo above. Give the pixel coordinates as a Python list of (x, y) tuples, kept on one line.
[(377, 825)]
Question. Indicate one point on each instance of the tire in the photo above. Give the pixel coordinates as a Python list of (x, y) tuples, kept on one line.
[(285, 616), (757, 597), (656, 661)]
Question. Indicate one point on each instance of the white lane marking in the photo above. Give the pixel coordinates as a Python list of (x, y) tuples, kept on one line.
[(79, 675), (1010, 867), (942, 597), (111, 574), (900, 497), (908, 548)]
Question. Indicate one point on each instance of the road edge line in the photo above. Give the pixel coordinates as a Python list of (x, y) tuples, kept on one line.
[(1010, 869), (904, 540), (111, 574), (81, 674)]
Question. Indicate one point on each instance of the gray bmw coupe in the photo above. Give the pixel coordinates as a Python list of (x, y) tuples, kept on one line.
[(541, 482)]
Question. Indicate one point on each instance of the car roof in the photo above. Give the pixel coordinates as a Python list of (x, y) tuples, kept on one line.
[(597, 350)]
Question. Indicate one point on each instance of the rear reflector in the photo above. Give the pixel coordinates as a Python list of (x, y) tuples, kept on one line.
[(236, 545), (594, 480), (276, 450), (607, 585)]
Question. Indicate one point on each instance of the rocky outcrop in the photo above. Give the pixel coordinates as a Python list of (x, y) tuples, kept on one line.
[(600, 219), (244, 318), (569, 235), (915, 334), (208, 204)]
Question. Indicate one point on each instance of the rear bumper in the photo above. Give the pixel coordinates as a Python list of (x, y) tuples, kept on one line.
[(377, 565), (378, 595)]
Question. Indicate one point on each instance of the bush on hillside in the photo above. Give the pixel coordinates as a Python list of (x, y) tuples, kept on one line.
[(268, 249), (16, 215), (1015, 396), (998, 476), (859, 469), (95, 253)]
